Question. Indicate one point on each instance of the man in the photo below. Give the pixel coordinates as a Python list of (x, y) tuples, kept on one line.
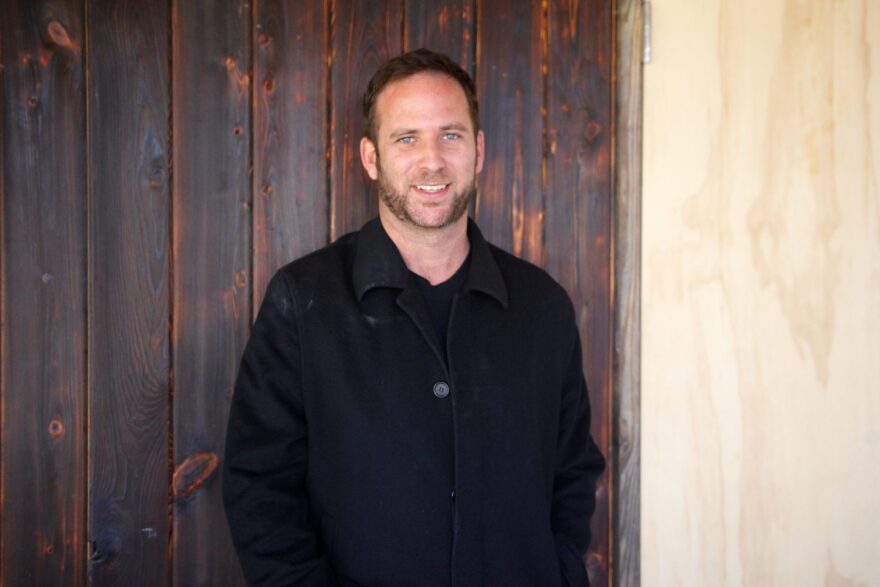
[(410, 408)]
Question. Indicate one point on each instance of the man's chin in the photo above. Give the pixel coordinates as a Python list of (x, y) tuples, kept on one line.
[(433, 219)]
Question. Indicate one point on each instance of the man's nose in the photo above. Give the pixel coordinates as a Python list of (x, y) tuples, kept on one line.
[(432, 156)]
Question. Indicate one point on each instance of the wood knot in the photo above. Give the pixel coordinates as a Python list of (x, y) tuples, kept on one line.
[(193, 472), (56, 428), (269, 85), (59, 35), (593, 130)]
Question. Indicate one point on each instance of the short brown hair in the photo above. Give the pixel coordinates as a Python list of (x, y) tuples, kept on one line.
[(408, 64)]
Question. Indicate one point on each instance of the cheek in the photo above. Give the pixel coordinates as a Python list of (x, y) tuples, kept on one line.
[(397, 169)]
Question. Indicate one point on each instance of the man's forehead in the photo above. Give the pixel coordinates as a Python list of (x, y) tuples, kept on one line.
[(419, 90)]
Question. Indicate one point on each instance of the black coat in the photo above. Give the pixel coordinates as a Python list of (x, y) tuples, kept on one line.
[(360, 453)]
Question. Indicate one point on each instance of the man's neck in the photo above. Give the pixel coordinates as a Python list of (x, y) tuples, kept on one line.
[(432, 253)]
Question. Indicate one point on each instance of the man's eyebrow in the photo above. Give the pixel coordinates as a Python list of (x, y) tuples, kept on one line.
[(414, 131), (403, 131)]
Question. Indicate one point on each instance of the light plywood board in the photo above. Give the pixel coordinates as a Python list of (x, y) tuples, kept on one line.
[(760, 277)]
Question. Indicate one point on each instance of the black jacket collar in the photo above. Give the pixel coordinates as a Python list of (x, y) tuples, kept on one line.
[(377, 263)]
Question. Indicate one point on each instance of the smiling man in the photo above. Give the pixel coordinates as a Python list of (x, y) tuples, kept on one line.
[(410, 408)]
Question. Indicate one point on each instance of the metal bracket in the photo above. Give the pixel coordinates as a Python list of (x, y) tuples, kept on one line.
[(646, 31)]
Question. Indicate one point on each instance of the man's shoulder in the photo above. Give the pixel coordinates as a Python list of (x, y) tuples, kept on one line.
[(527, 281), (323, 267)]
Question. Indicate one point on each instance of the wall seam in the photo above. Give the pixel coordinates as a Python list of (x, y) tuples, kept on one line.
[(329, 18), (171, 306), (90, 547)]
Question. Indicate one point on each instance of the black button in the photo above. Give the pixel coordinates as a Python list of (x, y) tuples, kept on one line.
[(441, 389)]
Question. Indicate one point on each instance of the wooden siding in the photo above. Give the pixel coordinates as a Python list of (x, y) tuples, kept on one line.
[(161, 160)]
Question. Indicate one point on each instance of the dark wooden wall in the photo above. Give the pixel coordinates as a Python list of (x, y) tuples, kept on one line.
[(160, 160)]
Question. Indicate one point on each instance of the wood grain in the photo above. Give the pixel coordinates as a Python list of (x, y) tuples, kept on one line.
[(760, 281), (211, 264), (627, 227), (364, 36), (444, 26), (42, 398), (578, 252), (510, 207), (291, 204), (129, 157), (160, 161)]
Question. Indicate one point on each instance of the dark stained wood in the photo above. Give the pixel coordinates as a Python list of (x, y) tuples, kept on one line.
[(291, 204), (42, 398), (364, 35), (160, 282), (509, 205), (626, 505), (212, 293), (192, 474), (129, 158), (446, 26), (579, 165)]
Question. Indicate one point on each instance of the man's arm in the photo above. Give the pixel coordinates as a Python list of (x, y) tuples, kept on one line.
[(265, 464), (579, 464)]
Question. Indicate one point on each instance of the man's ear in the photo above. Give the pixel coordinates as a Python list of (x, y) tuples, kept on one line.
[(368, 157), (481, 152)]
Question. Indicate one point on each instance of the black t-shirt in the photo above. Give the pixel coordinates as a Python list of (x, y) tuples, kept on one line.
[(438, 298)]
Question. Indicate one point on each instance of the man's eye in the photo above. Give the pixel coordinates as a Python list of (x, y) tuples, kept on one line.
[(451, 136), (406, 140)]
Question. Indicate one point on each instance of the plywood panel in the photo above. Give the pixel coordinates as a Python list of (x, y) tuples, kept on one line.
[(290, 202), (211, 268), (129, 409), (447, 27), (627, 255), (364, 36), (577, 232), (509, 206), (761, 352), (42, 398)]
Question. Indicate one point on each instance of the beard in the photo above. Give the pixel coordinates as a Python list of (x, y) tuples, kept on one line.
[(407, 210)]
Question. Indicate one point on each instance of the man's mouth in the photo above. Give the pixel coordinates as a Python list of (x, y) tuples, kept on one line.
[(432, 188)]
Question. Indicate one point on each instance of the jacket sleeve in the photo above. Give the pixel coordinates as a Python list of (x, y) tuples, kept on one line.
[(265, 462), (579, 465)]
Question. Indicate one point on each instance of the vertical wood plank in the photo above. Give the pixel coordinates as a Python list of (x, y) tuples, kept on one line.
[(128, 150), (579, 174), (364, 35), (509, 205), (445, 26), (42, 400), (211, 268), (626, 501), (291, 203)]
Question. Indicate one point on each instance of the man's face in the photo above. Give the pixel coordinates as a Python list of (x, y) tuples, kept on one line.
[(427, 155)]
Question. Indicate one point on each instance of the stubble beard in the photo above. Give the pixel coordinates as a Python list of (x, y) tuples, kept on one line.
[(399, 204)]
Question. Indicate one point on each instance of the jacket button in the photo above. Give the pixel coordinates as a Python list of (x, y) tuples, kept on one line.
[(441, 389)]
